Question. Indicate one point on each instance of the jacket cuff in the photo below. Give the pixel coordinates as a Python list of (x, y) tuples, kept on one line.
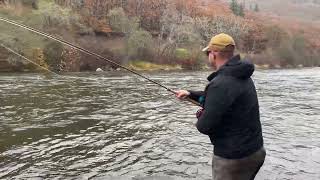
[(196, 95)]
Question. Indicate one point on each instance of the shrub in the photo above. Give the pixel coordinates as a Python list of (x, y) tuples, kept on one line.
[(182, 54), (294, 51), (177, 30), (53, 55), (70, 61), (189, 59), (120, 22), (139, 44), (54, 16), (16, 45), (207, 27), (38, 58), (187, 36), (275, 35)]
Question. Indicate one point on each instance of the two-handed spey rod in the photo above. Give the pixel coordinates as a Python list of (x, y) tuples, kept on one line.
[(14, 23)]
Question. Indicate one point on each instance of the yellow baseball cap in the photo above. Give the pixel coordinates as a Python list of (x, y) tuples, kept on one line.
[(219, 42)]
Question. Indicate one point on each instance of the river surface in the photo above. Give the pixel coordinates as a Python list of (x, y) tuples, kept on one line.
[(117, 126)]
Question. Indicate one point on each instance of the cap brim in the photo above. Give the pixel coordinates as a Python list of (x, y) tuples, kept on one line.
[(205, 49)]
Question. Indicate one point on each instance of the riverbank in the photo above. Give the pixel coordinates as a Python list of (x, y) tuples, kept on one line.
[(125, 39), (141, 66), (148, 66)]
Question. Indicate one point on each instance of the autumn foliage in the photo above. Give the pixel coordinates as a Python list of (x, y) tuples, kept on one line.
[(161, 31)]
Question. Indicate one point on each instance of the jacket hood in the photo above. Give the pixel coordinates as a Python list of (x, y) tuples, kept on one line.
[(235, 67)]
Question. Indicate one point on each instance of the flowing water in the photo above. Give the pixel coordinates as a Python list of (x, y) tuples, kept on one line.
[(115, 126)]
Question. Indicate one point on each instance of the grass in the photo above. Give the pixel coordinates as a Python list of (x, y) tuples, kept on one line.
[(148, 66)]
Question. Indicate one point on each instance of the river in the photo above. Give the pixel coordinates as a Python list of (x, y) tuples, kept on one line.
[(117, 126)]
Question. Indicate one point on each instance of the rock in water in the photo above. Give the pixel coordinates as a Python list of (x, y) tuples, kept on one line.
[(99, 70)]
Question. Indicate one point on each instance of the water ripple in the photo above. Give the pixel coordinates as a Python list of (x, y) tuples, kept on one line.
[(113, 126)]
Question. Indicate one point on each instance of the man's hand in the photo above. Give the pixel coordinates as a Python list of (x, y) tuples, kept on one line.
[(182, 94)]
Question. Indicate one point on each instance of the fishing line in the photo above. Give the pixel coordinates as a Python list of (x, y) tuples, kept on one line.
[(23, 57), (34, 63), (89, 53)]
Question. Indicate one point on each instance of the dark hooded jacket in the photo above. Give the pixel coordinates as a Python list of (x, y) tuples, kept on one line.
[(231, 111)]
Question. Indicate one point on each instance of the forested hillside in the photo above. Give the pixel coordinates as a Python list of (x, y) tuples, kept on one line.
[(147, 34), (303, 10)]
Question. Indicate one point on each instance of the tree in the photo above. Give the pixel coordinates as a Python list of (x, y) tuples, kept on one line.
[(240, 10), (120, 22), (176, 31), (256, 8), (139, 44), (236, 8)]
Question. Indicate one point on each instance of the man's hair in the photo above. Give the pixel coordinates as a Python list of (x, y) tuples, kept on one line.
[(227, 52)]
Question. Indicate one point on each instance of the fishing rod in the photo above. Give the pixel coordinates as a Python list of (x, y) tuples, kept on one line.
[(90, 53), (25, 58)]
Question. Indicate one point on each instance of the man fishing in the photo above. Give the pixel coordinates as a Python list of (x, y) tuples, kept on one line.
[(230, 113)]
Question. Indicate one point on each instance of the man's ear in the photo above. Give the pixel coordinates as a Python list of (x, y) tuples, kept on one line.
[(214, 55)]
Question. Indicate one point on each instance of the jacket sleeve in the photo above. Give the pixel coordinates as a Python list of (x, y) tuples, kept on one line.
[(196, 95), (218, 100)]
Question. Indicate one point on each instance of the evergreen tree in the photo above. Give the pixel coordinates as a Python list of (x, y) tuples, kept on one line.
[(234, 7), (240, 10), (256, 8)]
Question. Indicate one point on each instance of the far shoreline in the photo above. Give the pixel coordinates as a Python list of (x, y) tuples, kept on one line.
[(160, 70)]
